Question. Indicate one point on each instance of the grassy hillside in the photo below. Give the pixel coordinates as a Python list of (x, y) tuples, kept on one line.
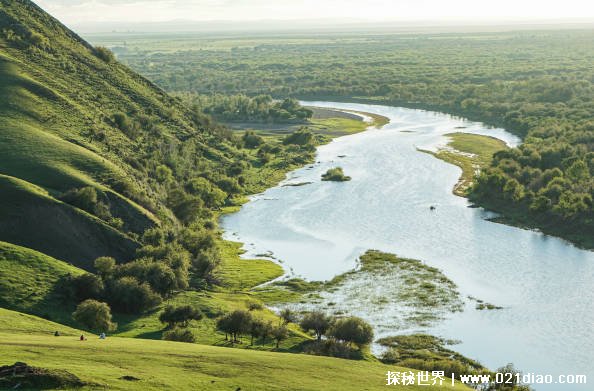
[(28, 281), (72, 117), (30, 217), (158, 365)]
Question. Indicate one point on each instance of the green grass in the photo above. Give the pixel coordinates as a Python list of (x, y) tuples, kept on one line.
[(470, 152), (28, 279), (163, 365), (423, 289), (236, 273)]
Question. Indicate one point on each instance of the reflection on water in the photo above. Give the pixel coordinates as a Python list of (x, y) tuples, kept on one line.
[(319, 229)]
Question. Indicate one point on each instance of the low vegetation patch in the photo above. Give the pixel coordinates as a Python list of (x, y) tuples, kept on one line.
[(335, 174), (22, 376)]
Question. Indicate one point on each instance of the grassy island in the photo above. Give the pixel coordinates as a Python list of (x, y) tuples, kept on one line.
[(335, 174)]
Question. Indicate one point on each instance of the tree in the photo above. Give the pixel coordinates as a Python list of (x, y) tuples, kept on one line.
[(316, 321), (164, 174), (128, 295), (86, 286), (279, 334), (212, 196), (104, 266), (235, 324), (288, 316), (179, 315), (259, 329), (94, 315), (352, 330)]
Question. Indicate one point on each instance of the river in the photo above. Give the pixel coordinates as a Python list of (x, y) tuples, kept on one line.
[(318, 230)]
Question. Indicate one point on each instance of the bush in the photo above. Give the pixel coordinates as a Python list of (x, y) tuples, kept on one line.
[(211, 195), (84, 286), (179, 315), (104, 54), (94, 315), (84, 198), (251, 140), (333, 348), (352, 330), (128, 295), (302, 136), (390, 356), (104, 265), (179, 335), (336, 175)]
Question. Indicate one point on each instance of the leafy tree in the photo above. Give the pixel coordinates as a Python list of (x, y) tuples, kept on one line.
[(235, 324), (182, 315), (288, 316), (94, 315), (104, 266), (279, 334), (85, 286), (211, 195), (317, 322), (130, 296), (352, 330)]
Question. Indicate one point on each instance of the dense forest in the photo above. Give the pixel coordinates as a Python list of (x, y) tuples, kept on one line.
[(537, 84), (260, 108)]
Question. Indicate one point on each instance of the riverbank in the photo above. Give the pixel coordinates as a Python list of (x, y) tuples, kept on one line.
[(473, 153), (324, 121), (470, 152)]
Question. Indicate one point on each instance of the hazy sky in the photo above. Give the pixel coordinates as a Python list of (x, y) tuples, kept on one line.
[(81, 11)]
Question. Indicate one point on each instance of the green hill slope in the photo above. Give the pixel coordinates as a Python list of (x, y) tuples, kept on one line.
[(159, 365), (28, 282), (72, 117), (30, 217)]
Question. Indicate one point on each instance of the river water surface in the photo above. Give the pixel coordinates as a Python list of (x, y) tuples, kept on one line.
[(318, 230)]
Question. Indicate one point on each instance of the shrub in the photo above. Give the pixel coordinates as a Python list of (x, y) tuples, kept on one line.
[(251, 140), (84, 198), (104, 265), (104, 54), (336, 175), (211, 195), (84, 286), (94, 315), (128, 295), (179, 335), (302, 136), (254, 305), (352, 330), (163, 174), (390, 356)]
